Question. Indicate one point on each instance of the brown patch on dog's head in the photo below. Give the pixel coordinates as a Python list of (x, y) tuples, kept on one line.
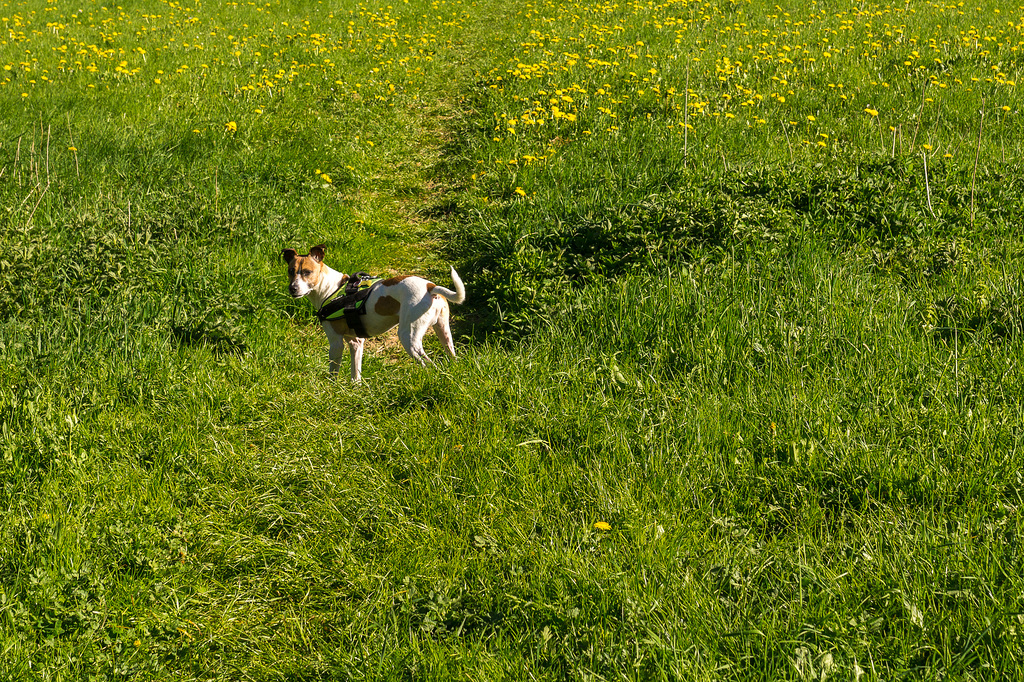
[(303, 271), (394, 280), (387, 306), (430, 287)]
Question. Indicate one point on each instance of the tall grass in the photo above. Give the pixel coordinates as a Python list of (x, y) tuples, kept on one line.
[(734, 399), (604, 143)]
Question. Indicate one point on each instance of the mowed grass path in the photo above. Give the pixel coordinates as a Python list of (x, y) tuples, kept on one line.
[(740, 377)]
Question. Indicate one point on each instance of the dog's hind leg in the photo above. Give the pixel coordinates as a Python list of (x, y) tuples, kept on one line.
[(411, 337), (443, 330), (444, 334)]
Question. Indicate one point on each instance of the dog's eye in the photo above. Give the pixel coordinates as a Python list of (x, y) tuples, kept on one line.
[(306, 273)]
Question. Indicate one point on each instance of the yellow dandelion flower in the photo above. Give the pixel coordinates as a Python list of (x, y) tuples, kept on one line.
[(871, 112), (603, 525), (231, 126), (520, 191)]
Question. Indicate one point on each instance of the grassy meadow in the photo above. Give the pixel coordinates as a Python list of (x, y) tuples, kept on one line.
[(740, 374)]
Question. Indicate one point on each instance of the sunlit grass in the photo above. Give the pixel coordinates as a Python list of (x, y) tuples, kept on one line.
[(738, 383), (792, 82)]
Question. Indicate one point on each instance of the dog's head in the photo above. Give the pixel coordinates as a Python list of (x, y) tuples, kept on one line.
[(304, 271)]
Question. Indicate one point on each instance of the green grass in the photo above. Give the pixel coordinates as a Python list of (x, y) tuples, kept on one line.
[(782, 378)]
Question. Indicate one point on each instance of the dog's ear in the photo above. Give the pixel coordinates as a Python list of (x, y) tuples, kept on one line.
[(317, 252), (288, 255)]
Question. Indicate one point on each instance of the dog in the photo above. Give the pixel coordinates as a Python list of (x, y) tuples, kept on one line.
[(411, 303)]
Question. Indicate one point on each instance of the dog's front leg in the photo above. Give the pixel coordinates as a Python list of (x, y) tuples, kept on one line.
[(336, 349), (355, 350)]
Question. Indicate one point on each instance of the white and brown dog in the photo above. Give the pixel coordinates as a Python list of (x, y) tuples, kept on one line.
[(412, 303)]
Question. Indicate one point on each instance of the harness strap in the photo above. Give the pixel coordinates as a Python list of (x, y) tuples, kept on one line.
[(350, 305), (355, 280), (354, 320)]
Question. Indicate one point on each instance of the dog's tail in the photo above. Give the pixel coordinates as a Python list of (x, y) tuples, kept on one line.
[(457, 296)]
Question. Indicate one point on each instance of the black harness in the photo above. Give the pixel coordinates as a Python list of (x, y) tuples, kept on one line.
[(349, 302)]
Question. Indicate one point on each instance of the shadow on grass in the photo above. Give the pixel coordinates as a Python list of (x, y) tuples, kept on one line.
[(220, 341)]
